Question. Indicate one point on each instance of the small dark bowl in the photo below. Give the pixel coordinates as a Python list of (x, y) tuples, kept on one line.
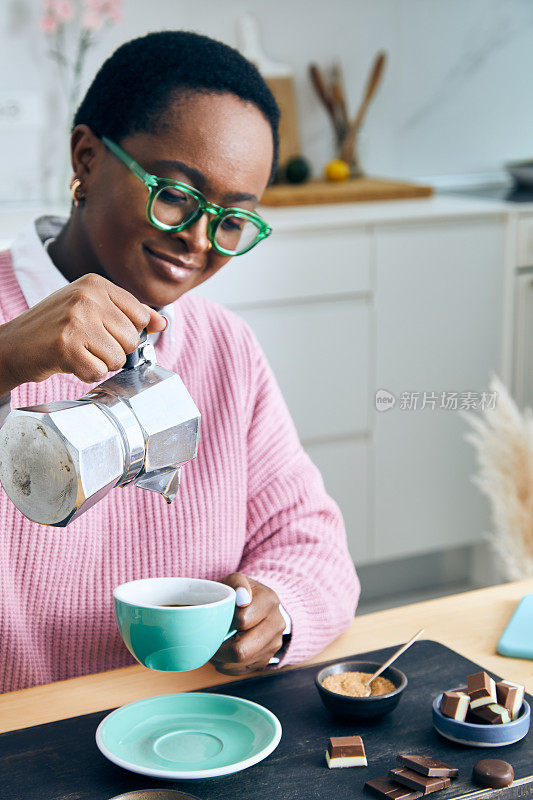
[(360, 707)]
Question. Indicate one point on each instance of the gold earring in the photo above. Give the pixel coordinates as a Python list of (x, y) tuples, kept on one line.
[(209, 246), (77, 196)]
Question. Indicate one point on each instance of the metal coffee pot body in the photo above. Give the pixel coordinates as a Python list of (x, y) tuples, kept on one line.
[(140, 426)]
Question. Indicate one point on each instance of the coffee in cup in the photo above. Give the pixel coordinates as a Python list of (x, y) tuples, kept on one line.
[(174, 624)]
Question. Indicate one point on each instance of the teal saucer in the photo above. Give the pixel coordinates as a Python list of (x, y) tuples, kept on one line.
[(188, 736)]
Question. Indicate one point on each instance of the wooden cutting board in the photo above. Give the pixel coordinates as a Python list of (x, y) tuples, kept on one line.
[(350, 191), (60, 761), (283, 90)]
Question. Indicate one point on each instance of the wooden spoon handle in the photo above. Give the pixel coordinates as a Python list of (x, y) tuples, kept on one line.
[(338, 95), (371, 86), (319, 83), (394, 656)]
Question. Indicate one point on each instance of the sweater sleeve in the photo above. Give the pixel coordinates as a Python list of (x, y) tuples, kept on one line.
[(296, 540)]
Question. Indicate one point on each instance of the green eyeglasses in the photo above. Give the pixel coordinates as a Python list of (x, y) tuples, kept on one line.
[(174, 206)]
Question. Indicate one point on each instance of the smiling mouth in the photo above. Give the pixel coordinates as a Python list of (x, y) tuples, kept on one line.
[(169, 267)]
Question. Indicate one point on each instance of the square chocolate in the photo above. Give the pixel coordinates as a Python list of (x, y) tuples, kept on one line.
[(455, 705), (346, 751), (481, 689), (510, 695), (421, 783), (386, 788), (492, 714), (427, 765)]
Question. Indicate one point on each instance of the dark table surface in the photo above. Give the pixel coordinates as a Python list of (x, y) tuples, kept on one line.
[(60, 760)]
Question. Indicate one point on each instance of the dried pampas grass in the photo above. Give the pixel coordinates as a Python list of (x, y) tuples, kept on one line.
[(503, 439)]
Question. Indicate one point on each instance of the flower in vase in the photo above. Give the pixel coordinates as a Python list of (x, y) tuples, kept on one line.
[(48, 24), (71, 28), (97, 13), (55, 13), (64, 10), (92, 20)]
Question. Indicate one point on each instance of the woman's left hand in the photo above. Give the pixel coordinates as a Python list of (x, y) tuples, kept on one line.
[(259, 627)]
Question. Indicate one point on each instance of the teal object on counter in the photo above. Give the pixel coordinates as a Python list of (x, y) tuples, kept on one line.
[(517, 639), (168, 638), (188, 736)]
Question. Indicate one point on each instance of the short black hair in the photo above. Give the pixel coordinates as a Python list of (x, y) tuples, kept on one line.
[(131, 90)]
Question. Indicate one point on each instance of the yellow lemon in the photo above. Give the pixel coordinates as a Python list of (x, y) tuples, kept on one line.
[(337, 170)]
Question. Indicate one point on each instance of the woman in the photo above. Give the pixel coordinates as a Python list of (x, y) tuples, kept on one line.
[(75, 294)]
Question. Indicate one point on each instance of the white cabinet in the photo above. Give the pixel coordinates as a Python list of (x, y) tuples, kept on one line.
[(520, 322), (525, 240), (523, 339), (295, 265), (410, 306), (320, 354), (438, 307)]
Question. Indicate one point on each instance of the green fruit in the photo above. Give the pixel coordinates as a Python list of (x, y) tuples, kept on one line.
[(297, 170)]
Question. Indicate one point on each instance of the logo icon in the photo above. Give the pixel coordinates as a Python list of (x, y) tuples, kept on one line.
[(384, 400)]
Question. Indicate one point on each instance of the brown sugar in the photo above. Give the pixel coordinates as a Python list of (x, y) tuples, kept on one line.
[(353, 684)]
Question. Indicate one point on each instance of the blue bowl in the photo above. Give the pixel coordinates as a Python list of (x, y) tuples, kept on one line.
[(474, 735)]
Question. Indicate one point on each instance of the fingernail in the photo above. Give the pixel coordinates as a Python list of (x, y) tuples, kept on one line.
[(243, 597), (166, 322)]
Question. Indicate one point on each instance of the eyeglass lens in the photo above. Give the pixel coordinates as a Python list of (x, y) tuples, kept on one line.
[(174, 207)]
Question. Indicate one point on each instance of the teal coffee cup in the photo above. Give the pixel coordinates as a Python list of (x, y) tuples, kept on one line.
[(174, 624)]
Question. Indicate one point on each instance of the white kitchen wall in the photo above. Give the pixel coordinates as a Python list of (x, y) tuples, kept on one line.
[(456, 98)]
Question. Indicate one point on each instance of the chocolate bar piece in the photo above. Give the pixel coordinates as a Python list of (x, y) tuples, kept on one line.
[(413, 780), (493, 772), (481, 689), (510, 695), (455, 705), (427, 765), (386, 788), (492, 715), (346, 751)]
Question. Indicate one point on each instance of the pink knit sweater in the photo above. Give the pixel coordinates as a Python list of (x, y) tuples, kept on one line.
[(251, 501)]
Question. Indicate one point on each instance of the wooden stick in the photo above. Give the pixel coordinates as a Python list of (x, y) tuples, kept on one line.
[(321, 88), (347, 145), (372, 85), (339, 98), (394, 656)]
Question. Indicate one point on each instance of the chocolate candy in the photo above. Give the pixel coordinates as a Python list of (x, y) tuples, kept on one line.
[(493, 772), (455, 705), (426, 765), (386, 788), (493, 714), (413, 780), (510, 695), (346, 751), (481, 689)]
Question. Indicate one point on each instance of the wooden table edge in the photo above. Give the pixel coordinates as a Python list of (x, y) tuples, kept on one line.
[(470, 623)]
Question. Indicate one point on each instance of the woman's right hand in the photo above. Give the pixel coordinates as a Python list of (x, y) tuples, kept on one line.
[(86, 329)]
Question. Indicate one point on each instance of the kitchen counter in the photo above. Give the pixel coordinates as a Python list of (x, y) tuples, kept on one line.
[(470, 623), (438, 207)]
